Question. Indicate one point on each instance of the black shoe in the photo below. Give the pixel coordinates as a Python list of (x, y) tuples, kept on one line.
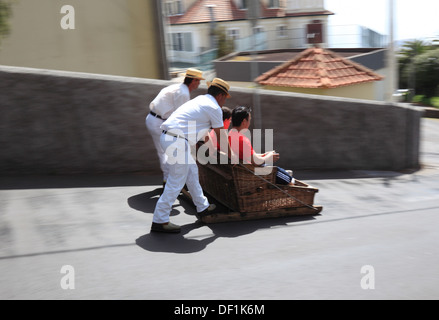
[(165, 228), (206, 212)]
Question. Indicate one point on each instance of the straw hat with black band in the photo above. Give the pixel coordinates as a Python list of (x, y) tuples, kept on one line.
[(220, 83), (194, 73)]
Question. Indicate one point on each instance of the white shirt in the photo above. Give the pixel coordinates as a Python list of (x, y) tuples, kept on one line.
[(169, 99), (195, 118)]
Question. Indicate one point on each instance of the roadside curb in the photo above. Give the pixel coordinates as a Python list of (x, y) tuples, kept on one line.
[(429, 112)]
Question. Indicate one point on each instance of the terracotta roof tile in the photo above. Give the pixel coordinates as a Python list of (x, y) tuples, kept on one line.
[(318, 68), (226, 10)]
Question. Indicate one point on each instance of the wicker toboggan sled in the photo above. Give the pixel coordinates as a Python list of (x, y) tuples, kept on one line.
[(250, 196)]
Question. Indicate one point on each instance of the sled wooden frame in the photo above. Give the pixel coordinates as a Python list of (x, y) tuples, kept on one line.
[(250, 196)]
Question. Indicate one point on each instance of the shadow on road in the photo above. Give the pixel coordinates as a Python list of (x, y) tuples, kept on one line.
[(16, 182), (331, 174), (182, 242), (174, 243), (146, 202), (191, 240)]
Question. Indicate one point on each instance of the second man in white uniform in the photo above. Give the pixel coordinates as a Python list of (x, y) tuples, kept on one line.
[(167, 101), (190, 123)]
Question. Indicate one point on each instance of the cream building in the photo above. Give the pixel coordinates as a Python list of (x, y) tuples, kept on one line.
[(281, 25), (117, 37)]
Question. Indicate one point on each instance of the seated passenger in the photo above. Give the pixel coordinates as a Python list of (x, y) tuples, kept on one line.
[(241, 145), (227, 116)]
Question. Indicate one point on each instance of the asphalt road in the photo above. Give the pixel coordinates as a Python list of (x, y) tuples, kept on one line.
[(377, 238)]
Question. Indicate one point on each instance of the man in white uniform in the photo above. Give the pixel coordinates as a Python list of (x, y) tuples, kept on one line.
[(166, 102), (188, 124)]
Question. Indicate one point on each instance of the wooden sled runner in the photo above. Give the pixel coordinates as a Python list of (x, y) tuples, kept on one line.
[(250, 196)]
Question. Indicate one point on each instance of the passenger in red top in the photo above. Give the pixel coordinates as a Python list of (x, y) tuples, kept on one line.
[(227, 118), (241, 145)]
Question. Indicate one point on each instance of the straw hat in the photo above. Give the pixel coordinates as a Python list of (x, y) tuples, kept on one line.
[(194, 73), (220, 83)]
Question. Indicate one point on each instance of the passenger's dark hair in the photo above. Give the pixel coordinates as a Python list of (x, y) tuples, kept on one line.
[(188, 81), (239, 114), (214, 91), (227, 113)]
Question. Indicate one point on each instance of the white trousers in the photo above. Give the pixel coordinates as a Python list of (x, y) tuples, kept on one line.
[(182, 170), (153, 124)]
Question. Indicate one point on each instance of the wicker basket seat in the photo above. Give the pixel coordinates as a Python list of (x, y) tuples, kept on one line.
[(241, 190)]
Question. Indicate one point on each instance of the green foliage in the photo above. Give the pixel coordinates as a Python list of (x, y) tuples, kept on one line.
[(423, 100), (411, 49), (225, 45), (427, 72), (419, 67), (5, 13)]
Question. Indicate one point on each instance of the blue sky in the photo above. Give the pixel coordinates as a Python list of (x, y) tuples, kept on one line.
[(413, 18)]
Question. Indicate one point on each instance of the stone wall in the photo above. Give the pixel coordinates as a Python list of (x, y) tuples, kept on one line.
[(56, 122)]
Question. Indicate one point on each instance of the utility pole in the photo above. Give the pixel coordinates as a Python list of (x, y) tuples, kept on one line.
[(211, 7), (161, 31), (391, 57), (253, 14)]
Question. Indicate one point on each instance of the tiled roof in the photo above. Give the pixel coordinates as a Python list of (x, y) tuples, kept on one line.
[(226, 10), (318, 68)]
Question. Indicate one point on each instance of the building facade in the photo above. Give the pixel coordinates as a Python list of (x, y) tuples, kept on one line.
[(116, 37), (280, 24), (355, 36)]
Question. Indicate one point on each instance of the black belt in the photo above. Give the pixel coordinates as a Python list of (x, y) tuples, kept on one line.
[(174, 135), (156, 115)]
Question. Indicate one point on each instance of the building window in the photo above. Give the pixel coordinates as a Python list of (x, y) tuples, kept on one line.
[(178, 7), (168, 8), (174, 7), (281, 31), (182, 41), (244, 4), (177, 41), (257, 30), (233, 34), (274, 4)]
